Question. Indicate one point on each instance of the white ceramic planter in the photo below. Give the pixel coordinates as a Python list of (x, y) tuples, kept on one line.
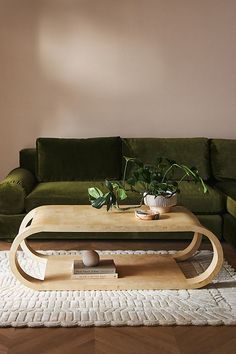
[(160, 204)]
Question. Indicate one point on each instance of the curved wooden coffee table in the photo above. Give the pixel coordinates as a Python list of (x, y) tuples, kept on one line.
[(135, 271)]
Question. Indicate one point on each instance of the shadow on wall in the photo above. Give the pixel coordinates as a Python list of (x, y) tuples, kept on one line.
[(138, 68), (129, 67), (106, 68), (23, 95)]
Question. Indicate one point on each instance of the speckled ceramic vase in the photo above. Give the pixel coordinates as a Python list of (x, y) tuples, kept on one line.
[(160, 204)]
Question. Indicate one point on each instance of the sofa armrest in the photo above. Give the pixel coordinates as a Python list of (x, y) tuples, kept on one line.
[(13, 190)]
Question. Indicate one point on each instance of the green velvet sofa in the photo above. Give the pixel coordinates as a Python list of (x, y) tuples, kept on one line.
[(59, 171)]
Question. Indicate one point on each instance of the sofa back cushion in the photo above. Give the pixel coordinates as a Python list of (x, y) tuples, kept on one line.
[(223, 158), (78, 159), (28, 159), (188, 151)]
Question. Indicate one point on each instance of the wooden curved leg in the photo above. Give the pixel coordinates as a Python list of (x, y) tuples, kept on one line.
[(24, 244), (28, 217), (19, 273), (31, 252), (190, 250), (213, 269)]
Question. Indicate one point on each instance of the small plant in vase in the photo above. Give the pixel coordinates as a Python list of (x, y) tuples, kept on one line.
[(155, 182), (152, 181)]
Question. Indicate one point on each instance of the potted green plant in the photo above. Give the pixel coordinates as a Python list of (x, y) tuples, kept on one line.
[(154, 183)]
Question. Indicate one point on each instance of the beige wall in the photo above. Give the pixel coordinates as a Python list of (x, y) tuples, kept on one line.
[(115, 67)]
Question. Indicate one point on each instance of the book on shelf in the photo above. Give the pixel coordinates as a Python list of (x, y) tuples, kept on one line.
[(95, 276), (105, 266)]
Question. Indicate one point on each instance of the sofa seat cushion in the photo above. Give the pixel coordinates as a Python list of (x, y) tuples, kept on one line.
[(78, 159), (74, 192), (229, 189), (192, 197)]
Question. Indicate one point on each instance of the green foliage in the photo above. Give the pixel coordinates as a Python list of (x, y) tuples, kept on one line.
[(115, 192), (95, 192), (154, 179)]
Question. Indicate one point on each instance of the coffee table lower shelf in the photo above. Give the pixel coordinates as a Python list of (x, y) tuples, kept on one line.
[(138, 272)]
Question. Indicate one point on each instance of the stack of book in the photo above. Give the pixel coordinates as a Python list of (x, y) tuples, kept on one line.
[(106, 269)]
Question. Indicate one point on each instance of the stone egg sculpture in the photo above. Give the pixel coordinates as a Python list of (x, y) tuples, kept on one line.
[(90, 258)]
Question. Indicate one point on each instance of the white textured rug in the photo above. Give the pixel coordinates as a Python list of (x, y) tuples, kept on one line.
[(23, 307)]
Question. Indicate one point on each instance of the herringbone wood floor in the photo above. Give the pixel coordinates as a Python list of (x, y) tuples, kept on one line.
[(123, 340)]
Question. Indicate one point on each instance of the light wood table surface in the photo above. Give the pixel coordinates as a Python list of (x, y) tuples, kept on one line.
[(142, 271)]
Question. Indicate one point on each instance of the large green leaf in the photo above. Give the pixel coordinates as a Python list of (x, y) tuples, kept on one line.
[(95, 192), (116, 185), (121, 193), (99, 202)]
